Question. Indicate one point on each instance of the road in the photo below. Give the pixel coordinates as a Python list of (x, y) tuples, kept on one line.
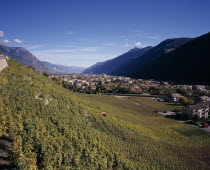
[(207, 129)]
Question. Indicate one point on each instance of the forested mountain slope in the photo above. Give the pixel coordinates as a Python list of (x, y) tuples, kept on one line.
[(186, 63), (53, 128)]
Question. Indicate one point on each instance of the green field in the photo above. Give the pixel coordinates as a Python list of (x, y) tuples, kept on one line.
[(159, 106), (68, 131)]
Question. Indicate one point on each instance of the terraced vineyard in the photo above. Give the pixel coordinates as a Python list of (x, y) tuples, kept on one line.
[(53, 128)]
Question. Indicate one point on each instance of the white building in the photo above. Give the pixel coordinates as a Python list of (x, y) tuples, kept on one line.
[(200, 110)]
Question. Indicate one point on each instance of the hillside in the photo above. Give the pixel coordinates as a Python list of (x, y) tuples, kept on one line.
[(186, 63), (24, 56), (110, 66), (50, 127)]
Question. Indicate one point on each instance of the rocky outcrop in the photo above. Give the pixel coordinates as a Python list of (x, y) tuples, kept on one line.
[(6, 153)]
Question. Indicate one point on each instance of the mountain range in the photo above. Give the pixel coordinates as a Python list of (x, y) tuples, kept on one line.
[(24, 56), (183, 60)]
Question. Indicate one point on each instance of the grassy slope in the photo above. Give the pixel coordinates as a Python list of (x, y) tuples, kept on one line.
[(159, 106), (70, 133)]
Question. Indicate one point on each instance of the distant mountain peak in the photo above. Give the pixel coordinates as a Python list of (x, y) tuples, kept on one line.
[(134, 49)]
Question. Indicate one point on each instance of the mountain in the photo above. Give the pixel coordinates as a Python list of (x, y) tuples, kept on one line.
[(58, 68), (92, 68), (134, 67), (44, 126), (110, 66), (189, 63), (178, 60), (120, 64), (24, 56)]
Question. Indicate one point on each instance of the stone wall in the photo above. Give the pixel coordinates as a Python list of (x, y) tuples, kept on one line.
[(3, 63)]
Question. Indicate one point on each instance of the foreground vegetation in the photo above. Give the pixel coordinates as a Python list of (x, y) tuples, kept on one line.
[(53, 128)]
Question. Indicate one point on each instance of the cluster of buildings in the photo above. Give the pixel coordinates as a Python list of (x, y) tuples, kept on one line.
[(91, 81), (200, 110)]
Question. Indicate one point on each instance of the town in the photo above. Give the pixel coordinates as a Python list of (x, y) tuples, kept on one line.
[(194, 99), (96, 84)]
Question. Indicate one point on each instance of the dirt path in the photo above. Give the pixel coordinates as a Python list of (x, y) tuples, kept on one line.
[(123, 98), (168, 113)]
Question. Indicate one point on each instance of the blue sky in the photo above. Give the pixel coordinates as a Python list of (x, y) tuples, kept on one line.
[(83, 32)]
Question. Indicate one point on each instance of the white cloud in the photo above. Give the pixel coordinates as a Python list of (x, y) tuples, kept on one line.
[(83, 56), (67, 50), (18, 41), (71, 33), (89, 49), (32, 47), (110, 44), (1, 33), (153, 37), (137, 44), (126, 45), (125, 38), (5, 41)]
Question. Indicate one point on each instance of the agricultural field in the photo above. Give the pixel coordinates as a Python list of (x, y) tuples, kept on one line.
[(152, 103), (52, 128)]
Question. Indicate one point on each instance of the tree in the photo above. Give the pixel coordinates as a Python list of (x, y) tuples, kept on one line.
[(57, 80), (183, 100), (32, 67), (183, 92), (46, 74), (190, 101), (67, 85)]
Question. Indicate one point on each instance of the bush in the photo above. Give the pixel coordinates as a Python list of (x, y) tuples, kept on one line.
[(46, 74)]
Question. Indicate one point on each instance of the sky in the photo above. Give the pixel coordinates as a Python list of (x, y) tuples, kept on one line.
[(84, 32)]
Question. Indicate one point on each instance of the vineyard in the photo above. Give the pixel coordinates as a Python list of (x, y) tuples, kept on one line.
[(53, 128)]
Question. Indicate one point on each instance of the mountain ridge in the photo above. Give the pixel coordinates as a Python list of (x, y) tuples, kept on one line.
[(24, 56), (106, 67), (188, 63)]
